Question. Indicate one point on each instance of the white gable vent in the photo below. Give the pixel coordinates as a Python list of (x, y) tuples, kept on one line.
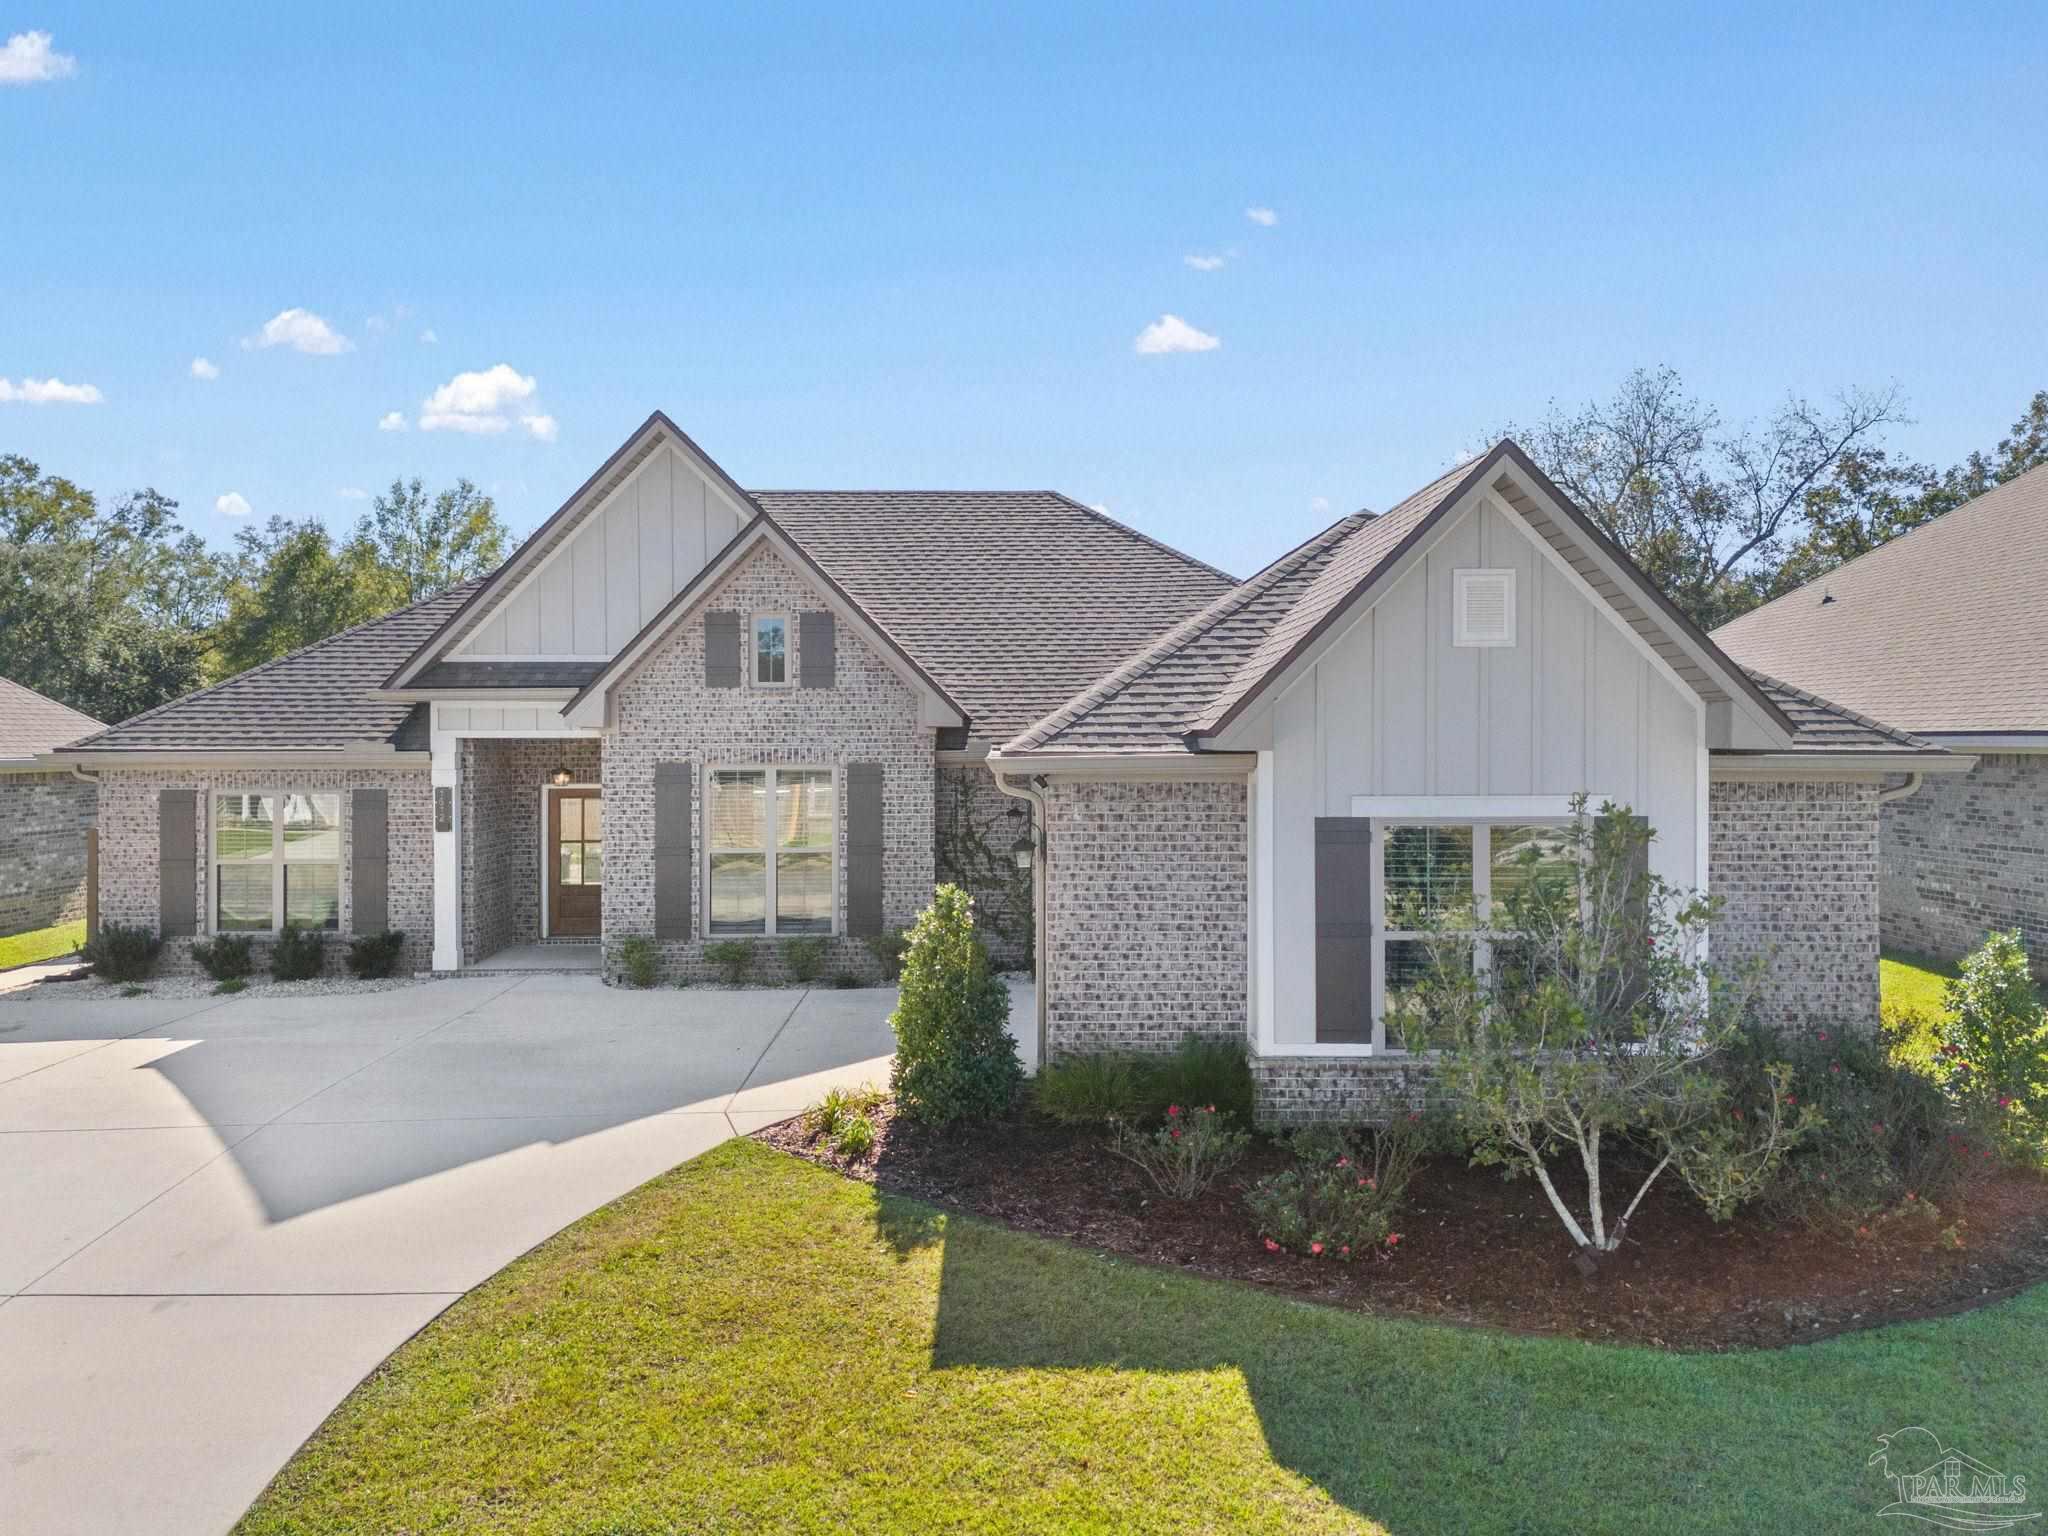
[(1483, 605)]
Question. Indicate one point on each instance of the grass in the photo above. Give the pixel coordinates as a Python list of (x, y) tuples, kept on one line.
[(751, 1343), (1912, 981), (40, 944)]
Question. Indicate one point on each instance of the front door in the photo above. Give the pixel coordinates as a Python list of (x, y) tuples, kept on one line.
[(576, 870)]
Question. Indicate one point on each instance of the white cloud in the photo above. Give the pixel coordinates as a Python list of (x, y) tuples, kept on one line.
[(1319, 503), (391, 421), (375, 324), (1098, 506), (546, 428), (48, 392), (231, 504), (477, 401), (353, 493), (1170, 333), (428, 337), (302, 331), (28, 59), (1265, 218), (1205, 263), (204, 368)]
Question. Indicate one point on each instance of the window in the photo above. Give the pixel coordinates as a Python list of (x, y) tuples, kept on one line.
[(771, 650), (276, 861), (1437, 882), (772, 847)]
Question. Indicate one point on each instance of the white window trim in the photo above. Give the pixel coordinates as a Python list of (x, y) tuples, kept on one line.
[(1462, 582), (277, 794), (769, 770), (788, 623)]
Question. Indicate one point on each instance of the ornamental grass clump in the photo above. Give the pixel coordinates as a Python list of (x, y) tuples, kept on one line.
[(1581, 1016), (1187, 1154), (954, 1055)]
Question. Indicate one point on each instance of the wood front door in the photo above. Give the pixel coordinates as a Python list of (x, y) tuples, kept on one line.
[(576, 868)]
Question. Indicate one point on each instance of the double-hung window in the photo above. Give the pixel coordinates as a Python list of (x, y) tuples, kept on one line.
[(772, 850), (276, 861), (1437, 883)]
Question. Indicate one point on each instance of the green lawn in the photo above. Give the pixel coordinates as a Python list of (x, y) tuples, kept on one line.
[(1912, 981), (751, 1343), (41, 944)]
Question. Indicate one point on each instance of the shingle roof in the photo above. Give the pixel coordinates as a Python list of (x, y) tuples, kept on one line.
[(1188, 678), (1013, 601), (1821, 726), (1940, 629), (316, 698), (31, 723)]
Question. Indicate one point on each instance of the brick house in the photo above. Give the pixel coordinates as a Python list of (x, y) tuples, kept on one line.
[(691, 713), (1939, 631), (46, 813)]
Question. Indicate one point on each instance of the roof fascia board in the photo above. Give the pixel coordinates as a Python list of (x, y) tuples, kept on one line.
[(266, 759), (590, 707), (1988, 741), (510, 698), (1725, 767), (1131, 765)]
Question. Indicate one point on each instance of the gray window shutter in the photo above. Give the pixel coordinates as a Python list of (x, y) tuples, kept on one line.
[(1636, 920), (817, 649), (721, 650), (863, 849), (177, 862), (369, 866), (672, 863), (1343, 930)]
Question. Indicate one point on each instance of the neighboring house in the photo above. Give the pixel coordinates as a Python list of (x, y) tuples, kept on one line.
[(691, 712), (46, 813), (1940, 631)]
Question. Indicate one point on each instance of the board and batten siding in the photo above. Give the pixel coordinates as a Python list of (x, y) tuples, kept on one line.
[(1393, 708), (599, 587)]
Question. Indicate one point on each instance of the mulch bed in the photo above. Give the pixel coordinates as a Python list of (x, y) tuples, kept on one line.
[(1478, 1249)]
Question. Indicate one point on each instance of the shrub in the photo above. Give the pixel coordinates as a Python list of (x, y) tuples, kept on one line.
[(856, 1137), (830, 1114), (375, 955), (639, 959), (119, 952), (954, 1054), (845, 981), (804, 958), (226, 958), (1187, 1154), (1094, 1089), (231, 985), (888, 948), (1340, 1198), (1995, 1043), (135, 991), (297, 955), (734, 958), (1201, 1070)]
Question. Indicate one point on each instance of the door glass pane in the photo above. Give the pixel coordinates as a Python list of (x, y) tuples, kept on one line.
[(571, 807), (242, 892), (739, 893), (1428, 877), (737, 809), (803, 808), (312, 827), (572, 864), (803, 893), (1525, 856), (593, 863), (241, 830), (312, 896)]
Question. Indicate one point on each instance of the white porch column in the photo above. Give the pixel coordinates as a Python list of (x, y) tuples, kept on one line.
[(447, 853)]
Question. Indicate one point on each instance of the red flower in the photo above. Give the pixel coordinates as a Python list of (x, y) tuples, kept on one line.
[(1175, 1134), (1823, 1034), (1345, 1250), (1211, 1109), (2005, 1101), (1834, 1066), (1172, 1110), (1343, 1162), (1791, 1098), (1315, 1248), (1393, 1239), (1271, 1246), (1911, 1196)]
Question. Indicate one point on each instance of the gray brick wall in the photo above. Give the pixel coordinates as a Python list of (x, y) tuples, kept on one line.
[(664, 713), (128, 849), (43, 821), (501, 835), (1967, 853), (1146, 913), (1795, 866), (1300, 1090), (976, 830)]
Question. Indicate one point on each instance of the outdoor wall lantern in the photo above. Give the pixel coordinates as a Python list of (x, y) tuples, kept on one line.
[(1021, 852), (560, 777)]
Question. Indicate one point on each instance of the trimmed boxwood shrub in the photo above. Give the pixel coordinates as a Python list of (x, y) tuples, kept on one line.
[(375, 956), (734, 958), (227, 958), (954, 1055), (639, 960), (120, 952), (804, 958), (297, 955)]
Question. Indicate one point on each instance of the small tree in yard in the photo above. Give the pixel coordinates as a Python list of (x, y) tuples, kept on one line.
[(1994, 1046), (954, 1054), (1597, 1019)]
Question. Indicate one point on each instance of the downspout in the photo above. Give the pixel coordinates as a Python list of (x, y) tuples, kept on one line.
[(1036, 800), (1899, 791)]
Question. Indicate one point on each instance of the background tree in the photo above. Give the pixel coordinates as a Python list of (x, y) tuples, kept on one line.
[(292, 586), (422, 547)]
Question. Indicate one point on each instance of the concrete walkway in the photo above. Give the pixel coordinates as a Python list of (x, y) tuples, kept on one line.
[(217, 1215)]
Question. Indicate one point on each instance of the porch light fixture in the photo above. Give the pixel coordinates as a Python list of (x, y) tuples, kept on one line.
[(560, 777), (1020, 850)]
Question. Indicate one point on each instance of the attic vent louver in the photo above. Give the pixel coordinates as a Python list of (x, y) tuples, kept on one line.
[(1483, 608)]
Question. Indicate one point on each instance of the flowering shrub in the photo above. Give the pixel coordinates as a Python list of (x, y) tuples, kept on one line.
[(1187, 1154), (1994, 1050), (1341, 1197)]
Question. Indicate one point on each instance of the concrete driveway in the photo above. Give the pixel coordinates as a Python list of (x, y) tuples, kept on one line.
[(216, 1216)]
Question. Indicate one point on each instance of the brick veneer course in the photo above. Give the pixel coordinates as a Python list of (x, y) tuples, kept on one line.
[(44, 818), (664, 713), (1967, 853)]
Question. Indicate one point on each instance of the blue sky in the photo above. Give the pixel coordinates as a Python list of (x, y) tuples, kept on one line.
[(918, 248)]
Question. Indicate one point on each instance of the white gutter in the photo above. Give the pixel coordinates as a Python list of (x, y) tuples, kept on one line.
[(1039, 884), (1900, 791)]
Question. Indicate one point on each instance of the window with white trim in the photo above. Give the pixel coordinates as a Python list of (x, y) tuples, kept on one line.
[(771, 650), (1435, 883), (771, 851), (276, 860)]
